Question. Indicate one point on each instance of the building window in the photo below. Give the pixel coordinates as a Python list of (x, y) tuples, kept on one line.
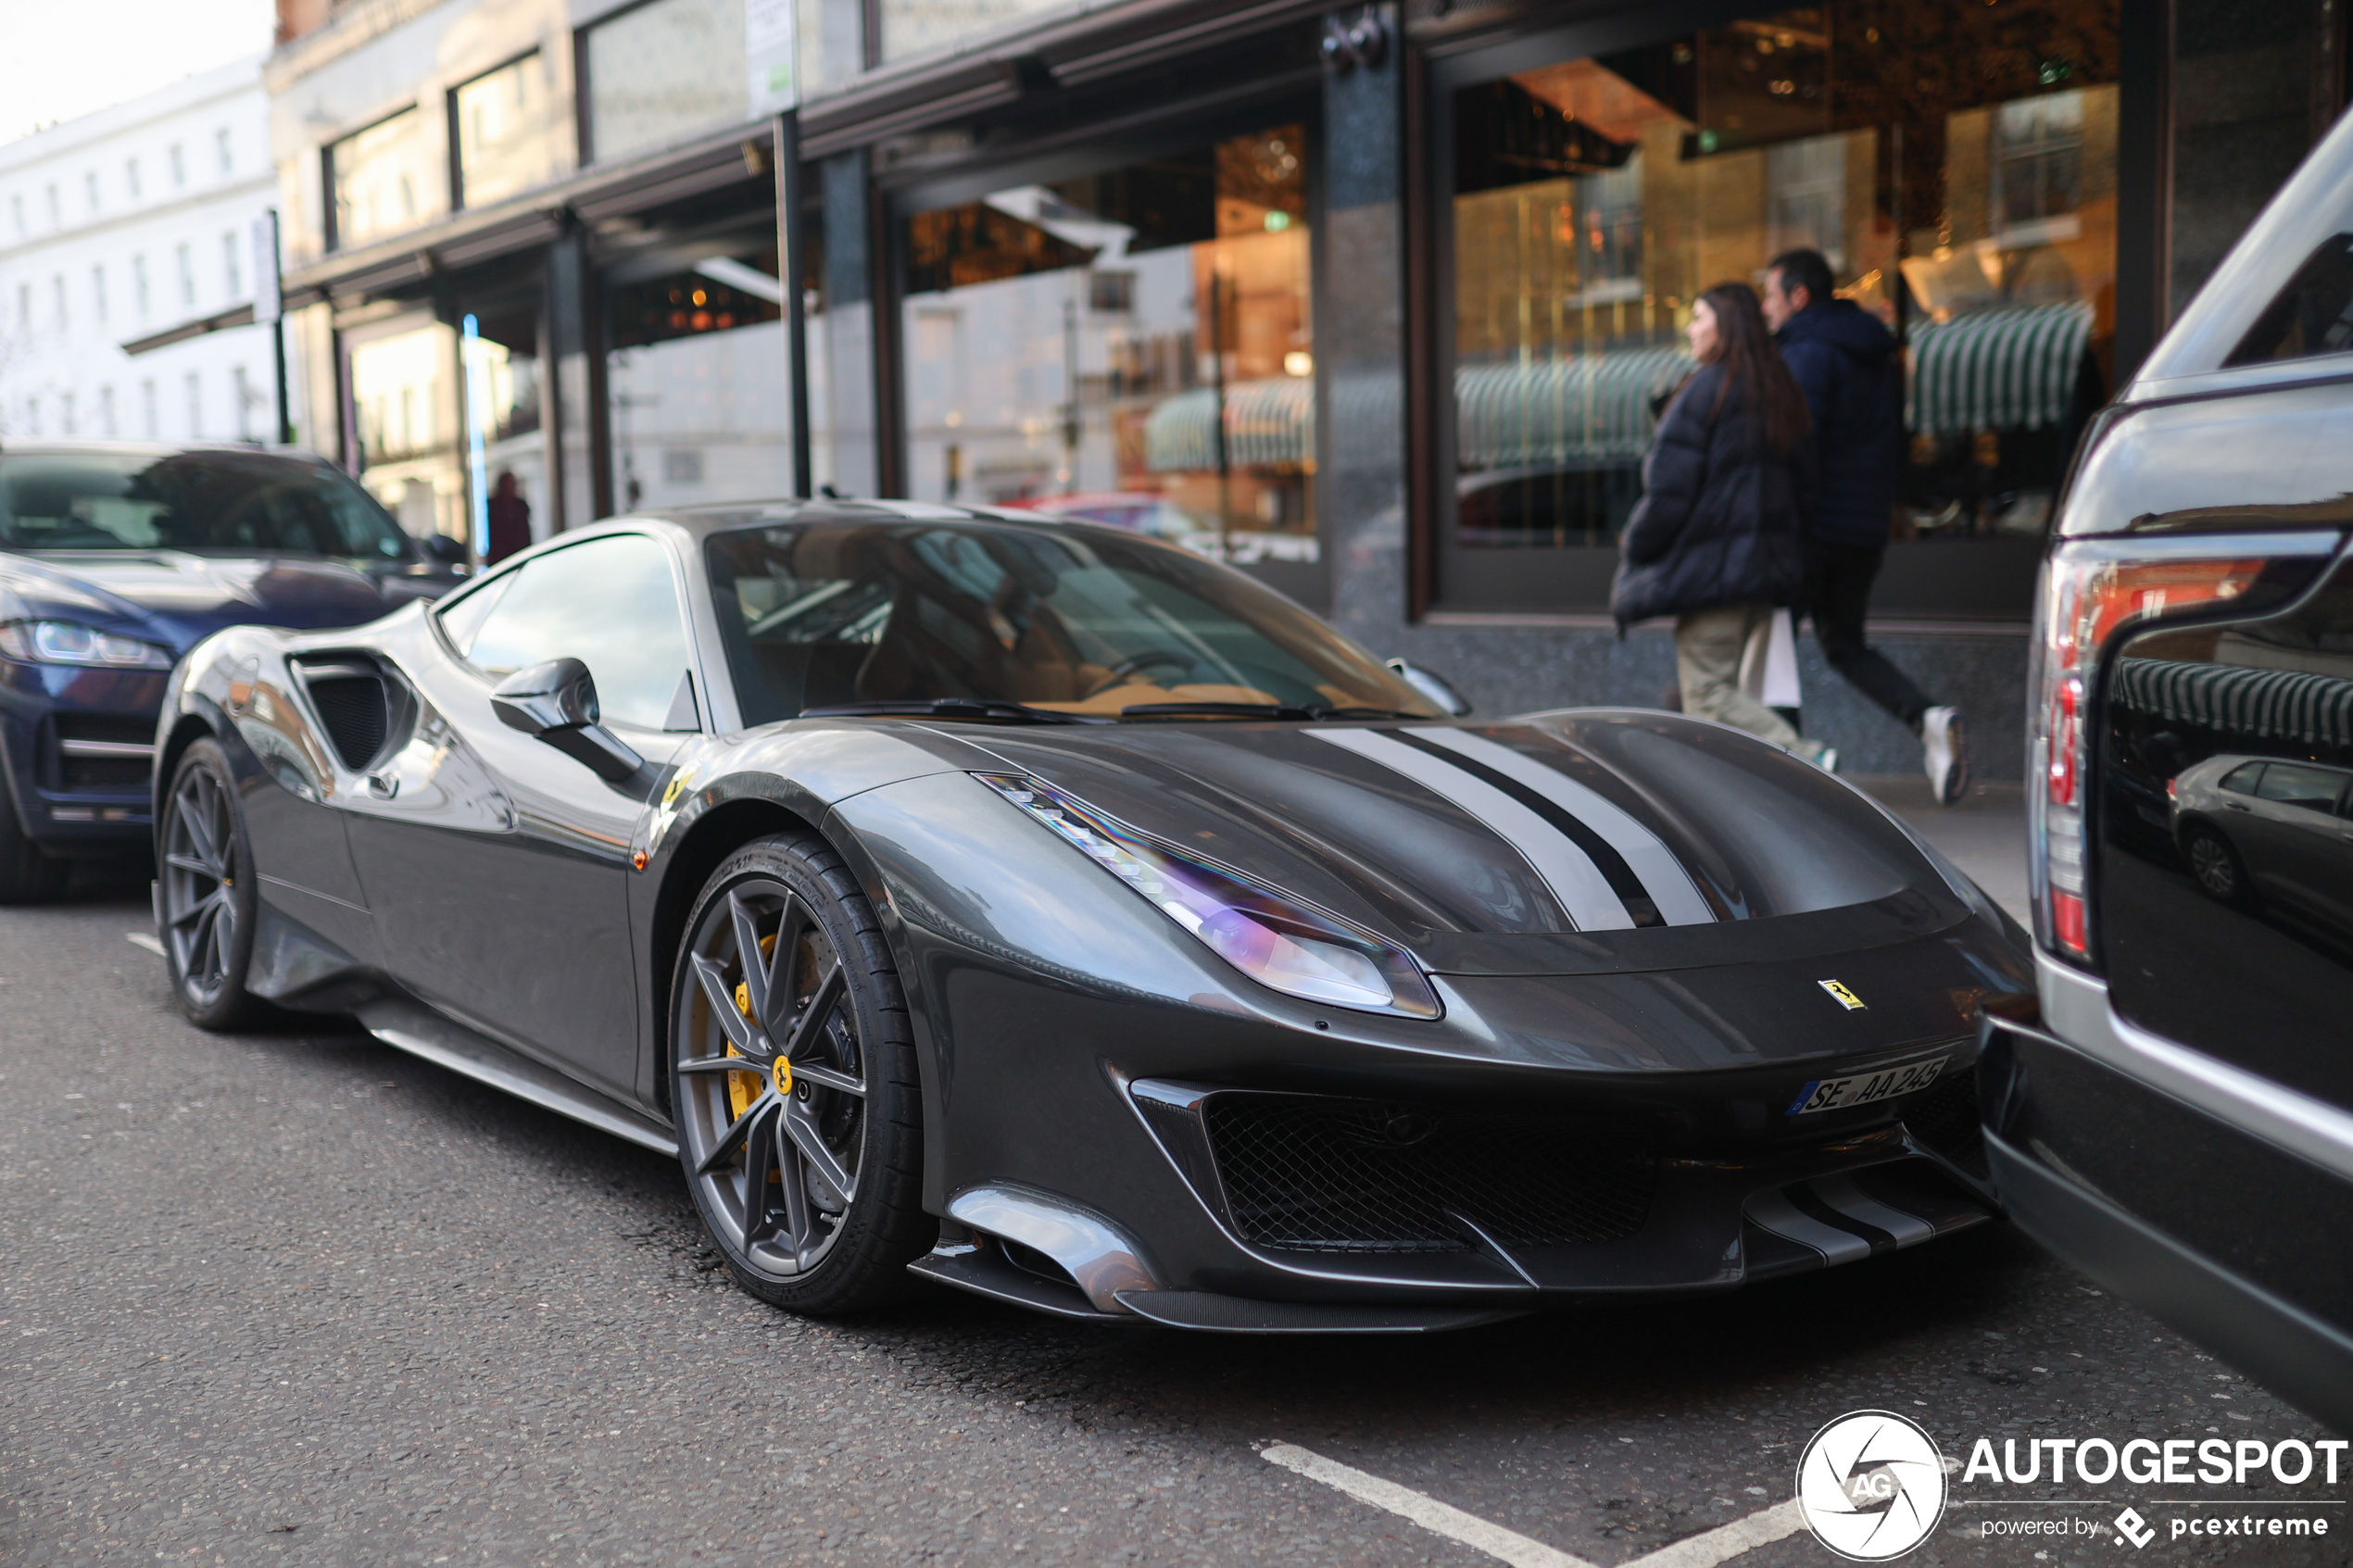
[(696, 370), (98, 291), (56, 214), (406, 412), (16, 211), (131, 177), (147, 415), (1956, 167), (105, 412), (918, 27), (1132, 345), (179, 167), (229, 267), (32, 414), (58, 291), (220, 142), (385, 179), (90, 191), (65, 414), (24, 307), (241, 394), (663, 71), (139, 286), (187, 276), (507, 124), (196, 405)]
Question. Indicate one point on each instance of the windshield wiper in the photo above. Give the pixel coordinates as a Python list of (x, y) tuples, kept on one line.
[(947, 707), (1255, 710)]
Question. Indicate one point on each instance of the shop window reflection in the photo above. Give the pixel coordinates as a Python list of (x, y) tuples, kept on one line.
[(1133, 346), (697, 384), (1956, 164), (404, 404)]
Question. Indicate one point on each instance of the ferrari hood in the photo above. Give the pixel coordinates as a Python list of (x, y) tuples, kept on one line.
[(186, 598), (1590, 841)]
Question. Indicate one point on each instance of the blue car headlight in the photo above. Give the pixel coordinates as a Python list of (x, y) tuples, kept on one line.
[(65, 642), (1276, 941)]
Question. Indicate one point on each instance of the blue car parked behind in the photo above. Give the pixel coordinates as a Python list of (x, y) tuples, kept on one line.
[(114, 561)]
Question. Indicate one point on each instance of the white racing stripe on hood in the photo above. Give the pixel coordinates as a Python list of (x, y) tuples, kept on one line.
[(1566, 869), (1662, 876)]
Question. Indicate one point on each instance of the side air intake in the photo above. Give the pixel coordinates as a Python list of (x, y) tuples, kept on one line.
[(355, 703)]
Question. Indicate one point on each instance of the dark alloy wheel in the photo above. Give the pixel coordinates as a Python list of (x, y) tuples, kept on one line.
[(793, 1082), (2220, 875), (207, 885), (27, 876)]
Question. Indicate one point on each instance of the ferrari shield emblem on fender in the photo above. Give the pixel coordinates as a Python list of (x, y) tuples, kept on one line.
[(1840, 995)]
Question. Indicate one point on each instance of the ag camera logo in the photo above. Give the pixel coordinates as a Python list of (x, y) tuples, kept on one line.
[(1871, 1486)]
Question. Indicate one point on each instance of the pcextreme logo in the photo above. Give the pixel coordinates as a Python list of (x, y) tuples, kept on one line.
[(1872, 1486)]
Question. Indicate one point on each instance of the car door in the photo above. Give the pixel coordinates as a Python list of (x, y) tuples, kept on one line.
[(497, 865), (2292, 835)]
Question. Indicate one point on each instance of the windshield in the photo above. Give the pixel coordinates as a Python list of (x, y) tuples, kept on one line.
[(1079, 620), (221, 501)]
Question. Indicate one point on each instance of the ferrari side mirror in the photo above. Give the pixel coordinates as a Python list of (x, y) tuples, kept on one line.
[(556, 702), (1432, 685)]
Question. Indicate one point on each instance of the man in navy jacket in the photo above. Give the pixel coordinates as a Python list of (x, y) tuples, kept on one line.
[(1847, 364)]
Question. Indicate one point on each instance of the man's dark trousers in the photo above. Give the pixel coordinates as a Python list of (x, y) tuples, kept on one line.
[(1838, 595)]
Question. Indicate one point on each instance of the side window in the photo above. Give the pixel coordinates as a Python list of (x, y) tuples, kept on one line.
[(611, 603), (2292, 783), (2242, 780), (2312, 315)]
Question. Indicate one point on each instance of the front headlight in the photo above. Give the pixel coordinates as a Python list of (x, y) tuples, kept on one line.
[(1299, 951), (63, 642)]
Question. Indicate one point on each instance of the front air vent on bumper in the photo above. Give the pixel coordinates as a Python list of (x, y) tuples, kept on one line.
[(1309, 1173)]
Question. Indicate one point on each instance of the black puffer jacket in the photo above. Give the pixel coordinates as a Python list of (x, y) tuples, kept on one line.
[(1720, 515)]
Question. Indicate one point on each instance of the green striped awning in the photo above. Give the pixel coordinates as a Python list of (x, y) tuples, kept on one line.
[(2249, 704), (1590, 408), (1266, 422), (2009, 368)]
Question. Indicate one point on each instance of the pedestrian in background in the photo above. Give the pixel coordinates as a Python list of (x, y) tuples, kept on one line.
[(509, 519), (1713, 540), (1845, 363)]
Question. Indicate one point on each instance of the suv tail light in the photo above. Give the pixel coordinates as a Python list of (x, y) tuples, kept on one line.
[(2090, 588)]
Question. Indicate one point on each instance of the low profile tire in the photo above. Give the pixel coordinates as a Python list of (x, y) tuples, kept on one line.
[(27, 876), (208, 901), (793, 1082), (2216, 867)]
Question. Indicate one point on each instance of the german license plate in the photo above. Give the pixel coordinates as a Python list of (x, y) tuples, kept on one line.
[(1837, 1094)]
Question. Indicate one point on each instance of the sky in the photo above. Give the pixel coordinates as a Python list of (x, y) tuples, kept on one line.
[(65, 58)]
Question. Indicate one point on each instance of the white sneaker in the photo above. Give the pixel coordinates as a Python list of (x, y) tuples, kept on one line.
[(1945, 753)]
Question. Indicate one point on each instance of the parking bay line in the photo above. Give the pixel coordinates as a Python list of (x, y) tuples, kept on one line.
[(1703, 1550), (141, 939)]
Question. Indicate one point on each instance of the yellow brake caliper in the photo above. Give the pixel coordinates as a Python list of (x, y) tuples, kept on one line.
[(744, 1087)]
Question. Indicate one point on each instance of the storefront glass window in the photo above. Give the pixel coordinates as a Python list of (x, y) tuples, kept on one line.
[(697, 384), (405, 416), (386, 179), (1955, 163), (507, 125), (1132, 346), (663, 71), (506, 453), (917, 27)]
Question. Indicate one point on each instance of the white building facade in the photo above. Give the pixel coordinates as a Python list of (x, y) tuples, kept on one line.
[(119, 226)]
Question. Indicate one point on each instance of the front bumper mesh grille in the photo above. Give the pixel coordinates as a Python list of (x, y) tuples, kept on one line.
[(1312, 1175), (1943, 1117)]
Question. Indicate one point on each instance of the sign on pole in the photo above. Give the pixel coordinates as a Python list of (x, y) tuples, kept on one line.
[(769, 43)]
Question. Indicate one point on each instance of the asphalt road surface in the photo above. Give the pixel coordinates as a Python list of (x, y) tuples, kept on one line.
[(296, 1298)]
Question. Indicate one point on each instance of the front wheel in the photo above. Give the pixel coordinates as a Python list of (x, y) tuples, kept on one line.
[(2219, 873), (793, 1082), (209, 903)]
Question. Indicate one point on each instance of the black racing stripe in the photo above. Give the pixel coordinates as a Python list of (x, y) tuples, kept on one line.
[(1604, 855), (1801, 1194)]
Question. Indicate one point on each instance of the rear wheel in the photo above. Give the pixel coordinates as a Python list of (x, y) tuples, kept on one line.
[(209, 899), (2220, 875), (27, 876), (793, 1082)]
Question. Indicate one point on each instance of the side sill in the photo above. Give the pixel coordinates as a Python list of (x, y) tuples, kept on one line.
[(2298, 1356), (414, 1028)]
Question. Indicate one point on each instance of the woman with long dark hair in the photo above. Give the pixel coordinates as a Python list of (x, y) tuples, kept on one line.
[(1713, 542)]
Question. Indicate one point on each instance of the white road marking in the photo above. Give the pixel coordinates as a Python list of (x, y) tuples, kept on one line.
[(1703, 1551), (141, 939), (1438, 1517)]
